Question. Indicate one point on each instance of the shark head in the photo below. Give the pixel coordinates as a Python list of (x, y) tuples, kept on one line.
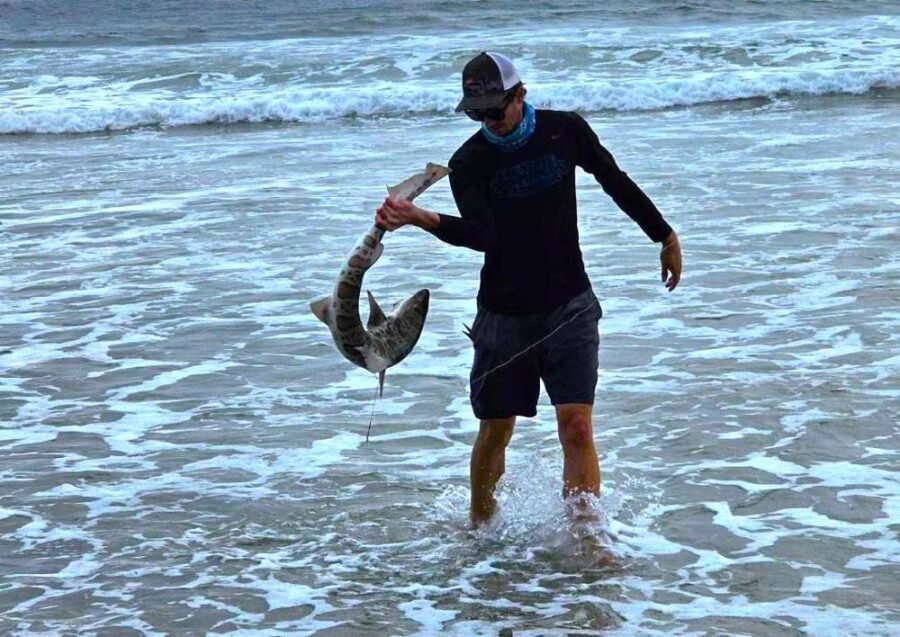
[(391, 337), (412, 311), (409, 319)]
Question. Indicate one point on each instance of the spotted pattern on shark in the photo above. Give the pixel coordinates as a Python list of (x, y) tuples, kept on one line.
[(387, 338)]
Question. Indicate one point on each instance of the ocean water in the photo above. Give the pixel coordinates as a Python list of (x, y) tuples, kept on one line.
[(182, 449)]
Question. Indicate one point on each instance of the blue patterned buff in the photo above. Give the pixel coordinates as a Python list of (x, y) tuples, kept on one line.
[(518, 137)]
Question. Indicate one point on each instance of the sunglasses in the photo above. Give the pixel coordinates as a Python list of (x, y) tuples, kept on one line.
[(497, 113)]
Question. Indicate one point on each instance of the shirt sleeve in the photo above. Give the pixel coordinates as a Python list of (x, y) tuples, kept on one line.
[(474, 228), (599, 162)]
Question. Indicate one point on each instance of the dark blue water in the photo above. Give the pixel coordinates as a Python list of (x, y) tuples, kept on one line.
[(27, 23)]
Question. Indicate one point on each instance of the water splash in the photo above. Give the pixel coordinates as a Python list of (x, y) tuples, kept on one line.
[(533, 516)]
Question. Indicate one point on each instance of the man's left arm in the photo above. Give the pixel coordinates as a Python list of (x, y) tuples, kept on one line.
[(616, 183)]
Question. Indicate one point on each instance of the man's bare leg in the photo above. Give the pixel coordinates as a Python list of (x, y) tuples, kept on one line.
[(487, 465), (581, 475), (581, 469)]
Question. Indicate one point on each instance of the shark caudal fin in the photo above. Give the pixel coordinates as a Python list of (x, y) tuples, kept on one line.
[(412, 187), (320, 308), (376, 315), (436, 171)]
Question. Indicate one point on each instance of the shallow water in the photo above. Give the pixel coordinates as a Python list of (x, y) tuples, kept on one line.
[(183, 448)]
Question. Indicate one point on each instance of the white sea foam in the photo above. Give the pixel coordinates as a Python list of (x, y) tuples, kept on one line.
[(313, 80), (169, 396), (314, 105)]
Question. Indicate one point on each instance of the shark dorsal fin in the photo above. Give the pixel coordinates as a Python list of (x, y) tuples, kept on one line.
[(320, 308), (376, 315)]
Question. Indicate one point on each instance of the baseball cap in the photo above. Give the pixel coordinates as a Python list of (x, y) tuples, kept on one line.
[(486, 79)]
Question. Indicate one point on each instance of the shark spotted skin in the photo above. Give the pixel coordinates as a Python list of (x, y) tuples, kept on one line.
[(386, 339)]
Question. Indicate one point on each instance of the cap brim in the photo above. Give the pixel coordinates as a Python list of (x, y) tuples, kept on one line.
[(480, 102)]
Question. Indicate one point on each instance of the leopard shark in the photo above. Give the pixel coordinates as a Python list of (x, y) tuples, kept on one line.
[(387, 338)]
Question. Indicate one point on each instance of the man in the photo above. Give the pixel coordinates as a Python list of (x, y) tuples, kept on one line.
[(514, 186)]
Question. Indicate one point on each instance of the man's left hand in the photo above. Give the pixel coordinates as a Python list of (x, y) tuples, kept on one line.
[(670, 258)]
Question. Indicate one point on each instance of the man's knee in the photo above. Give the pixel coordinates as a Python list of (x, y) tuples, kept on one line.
[(576, 432), (495, 433)]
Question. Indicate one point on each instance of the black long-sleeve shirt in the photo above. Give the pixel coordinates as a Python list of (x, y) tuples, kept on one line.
[(519, 208)]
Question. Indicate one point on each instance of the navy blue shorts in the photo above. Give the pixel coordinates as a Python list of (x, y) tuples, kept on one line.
[(511, 358)]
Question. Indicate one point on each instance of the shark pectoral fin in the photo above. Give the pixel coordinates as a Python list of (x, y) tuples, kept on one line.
[(380, 383), (376, 315), (320, 308)]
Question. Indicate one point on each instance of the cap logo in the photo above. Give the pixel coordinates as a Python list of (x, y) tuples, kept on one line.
[(477, 86)]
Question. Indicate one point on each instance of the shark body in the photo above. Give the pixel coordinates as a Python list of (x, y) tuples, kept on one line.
[(387, 338)]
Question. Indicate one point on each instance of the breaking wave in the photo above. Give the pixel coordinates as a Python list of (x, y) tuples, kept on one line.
[(91, 112)]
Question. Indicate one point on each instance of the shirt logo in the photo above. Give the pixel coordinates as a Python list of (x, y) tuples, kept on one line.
[(528, 178)]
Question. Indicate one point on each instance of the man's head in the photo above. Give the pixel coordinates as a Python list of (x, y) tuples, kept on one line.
[(492, 92)]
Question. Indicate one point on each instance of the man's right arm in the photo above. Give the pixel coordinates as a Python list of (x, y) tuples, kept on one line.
[(474, 227)]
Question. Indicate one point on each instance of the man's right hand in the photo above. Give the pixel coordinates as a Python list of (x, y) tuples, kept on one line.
[(396, 213)]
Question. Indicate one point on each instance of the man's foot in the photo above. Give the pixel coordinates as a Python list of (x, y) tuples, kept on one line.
[(480, 513), (477, 522), (598, 551), (588, 527)]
